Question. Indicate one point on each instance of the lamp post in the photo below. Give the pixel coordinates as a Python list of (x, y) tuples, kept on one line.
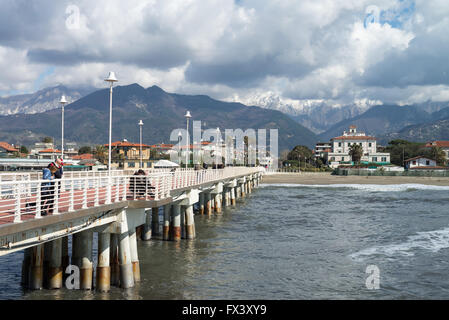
[(179, 148), (63, 101), (111, 79), (188, 116), (216, 151), (140, 125)]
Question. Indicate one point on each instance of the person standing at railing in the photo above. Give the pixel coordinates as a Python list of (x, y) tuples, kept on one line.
[(139, 186), (58, 174), (48, 189)]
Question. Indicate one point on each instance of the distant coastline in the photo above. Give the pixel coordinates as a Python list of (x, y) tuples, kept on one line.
[(325, 178)]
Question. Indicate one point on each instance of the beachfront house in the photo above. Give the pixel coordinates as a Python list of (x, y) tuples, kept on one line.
[(421, 162), (341, 145)]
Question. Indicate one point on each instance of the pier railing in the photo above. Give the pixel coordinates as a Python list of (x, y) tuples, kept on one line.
[(22, 198)]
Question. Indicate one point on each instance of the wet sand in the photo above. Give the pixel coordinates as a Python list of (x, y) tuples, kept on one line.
[(326, 178)]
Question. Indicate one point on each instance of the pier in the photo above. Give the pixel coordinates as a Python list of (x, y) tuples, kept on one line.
[(119, 207)]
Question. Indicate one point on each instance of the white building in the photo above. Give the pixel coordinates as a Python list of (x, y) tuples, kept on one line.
[(342, 144), (420, 162)]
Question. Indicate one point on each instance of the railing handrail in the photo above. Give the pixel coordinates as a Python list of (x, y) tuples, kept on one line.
[(35, 197)]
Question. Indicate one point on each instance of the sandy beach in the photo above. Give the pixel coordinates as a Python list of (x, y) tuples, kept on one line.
[(326, 178)]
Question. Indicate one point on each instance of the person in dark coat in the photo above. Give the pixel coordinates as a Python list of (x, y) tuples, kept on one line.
[(48, 189)]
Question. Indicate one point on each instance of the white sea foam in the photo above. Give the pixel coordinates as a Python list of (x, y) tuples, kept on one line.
[(364, 187), (432, 241)]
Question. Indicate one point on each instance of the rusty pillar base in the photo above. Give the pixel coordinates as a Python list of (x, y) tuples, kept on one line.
[(232, 202), (36, 277), (103, 279), (201, 209), (54, 277), (136, 270), (190, 232), (166, 233), (86, 278), (176, 233), (126, 276), (115, 274)]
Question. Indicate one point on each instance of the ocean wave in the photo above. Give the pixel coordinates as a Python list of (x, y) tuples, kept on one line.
[(363, 187), (432, 241)]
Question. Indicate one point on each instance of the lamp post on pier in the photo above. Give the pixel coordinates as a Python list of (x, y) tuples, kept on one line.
[(140, 125), (111, 79), (188, 116), (63, 101)]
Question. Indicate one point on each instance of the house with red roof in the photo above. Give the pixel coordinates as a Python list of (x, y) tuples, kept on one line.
[(341, 145), (126, 155), (6, 149), (421, 162)]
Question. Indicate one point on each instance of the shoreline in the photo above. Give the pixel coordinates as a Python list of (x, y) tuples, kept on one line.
[(325, 178)]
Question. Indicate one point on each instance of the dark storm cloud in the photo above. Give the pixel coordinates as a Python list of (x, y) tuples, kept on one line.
[(421, 64), (24, 21)]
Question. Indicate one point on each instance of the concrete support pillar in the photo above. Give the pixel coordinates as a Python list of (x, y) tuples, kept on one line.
[(36, 270), (155, 221), (76, 243), (103, 266), (176, 222), (126, 268), (190, 223), (208, 206), (233, 196), (26, 265), (65, 256), (242, 190), (55, 265), (223, 198), (134, 254), (86, 268), (217, 202), (183, 222), (46, 263), (201, 203), (114, 260), (147, 229), (166, 227)]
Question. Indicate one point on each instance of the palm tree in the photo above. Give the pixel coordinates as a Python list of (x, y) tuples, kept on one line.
[(356, 152), (439, 155), (100, 153)]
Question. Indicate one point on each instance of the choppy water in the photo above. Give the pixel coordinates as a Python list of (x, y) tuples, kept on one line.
[(294, 242)]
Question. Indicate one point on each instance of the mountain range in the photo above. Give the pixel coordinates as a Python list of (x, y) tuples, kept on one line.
[(29, 117), (40, 101), (87, 119)]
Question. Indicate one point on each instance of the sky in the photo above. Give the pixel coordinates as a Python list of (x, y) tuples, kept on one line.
[(336, 51)]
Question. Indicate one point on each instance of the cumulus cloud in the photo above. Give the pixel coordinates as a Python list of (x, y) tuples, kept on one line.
[(303, 51)]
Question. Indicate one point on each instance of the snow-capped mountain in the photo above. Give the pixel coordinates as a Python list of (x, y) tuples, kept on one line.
[(317, 115), (40, 101)]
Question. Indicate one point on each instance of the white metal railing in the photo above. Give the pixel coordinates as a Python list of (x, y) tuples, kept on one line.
[(22, 198)]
